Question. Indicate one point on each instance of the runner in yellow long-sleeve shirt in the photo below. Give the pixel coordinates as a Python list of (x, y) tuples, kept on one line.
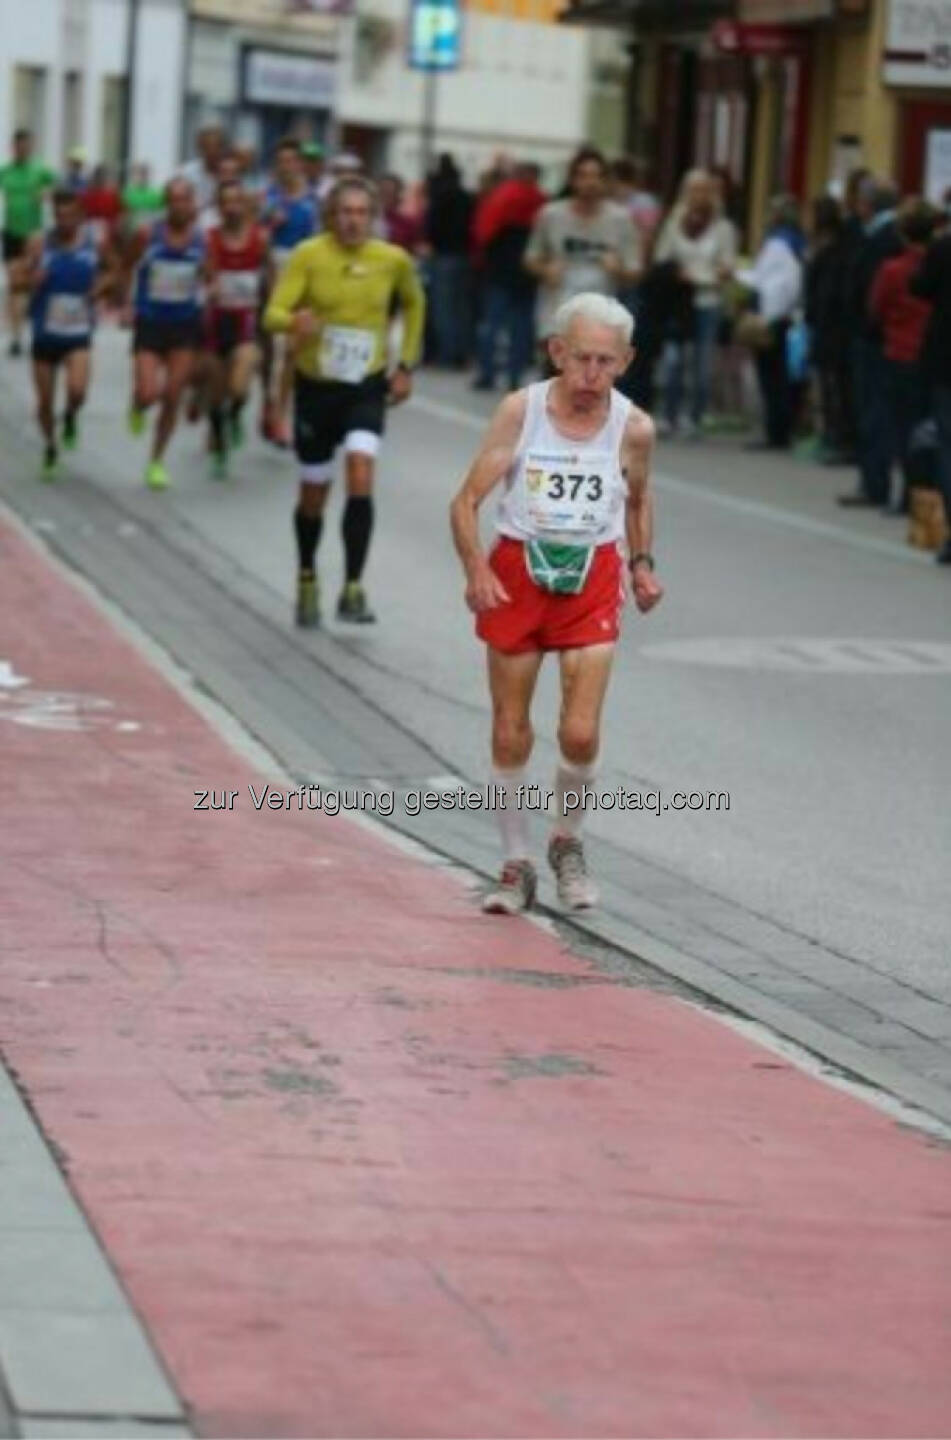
[(336, 297)]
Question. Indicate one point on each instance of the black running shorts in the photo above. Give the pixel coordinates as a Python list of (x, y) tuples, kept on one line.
[(327, 411), (159, 337)]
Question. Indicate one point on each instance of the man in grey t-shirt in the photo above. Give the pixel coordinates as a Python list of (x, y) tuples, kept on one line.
[(583, 243)]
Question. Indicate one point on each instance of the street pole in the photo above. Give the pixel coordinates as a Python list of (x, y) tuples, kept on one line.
[(428, 130), (128, 102)]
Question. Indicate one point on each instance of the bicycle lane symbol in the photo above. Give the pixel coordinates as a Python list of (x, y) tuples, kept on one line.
[(68, 710)]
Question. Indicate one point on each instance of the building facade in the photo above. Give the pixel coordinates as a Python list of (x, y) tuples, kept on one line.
[(63, 67), (262, 69), (787, 95), (526, 85)]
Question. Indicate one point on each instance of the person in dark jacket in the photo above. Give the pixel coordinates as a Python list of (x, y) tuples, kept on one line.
[(828, 329), (933, 282), (447, 227), (881, 241), (902, 319), (503, 224)]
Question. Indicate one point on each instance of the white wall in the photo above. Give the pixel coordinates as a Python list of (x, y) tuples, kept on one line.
[(522, 88), (89, 36)]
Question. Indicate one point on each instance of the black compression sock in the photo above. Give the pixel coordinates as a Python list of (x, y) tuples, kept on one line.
[(216, 420), (356, 528), (308, 529)]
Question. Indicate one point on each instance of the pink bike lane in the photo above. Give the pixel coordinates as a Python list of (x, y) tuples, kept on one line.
[(370, 1163)]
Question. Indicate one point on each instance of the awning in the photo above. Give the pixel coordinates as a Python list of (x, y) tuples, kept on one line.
[(647, 15)]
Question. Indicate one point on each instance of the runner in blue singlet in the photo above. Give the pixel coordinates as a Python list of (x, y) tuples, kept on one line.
[(170, 271), (67, 270)]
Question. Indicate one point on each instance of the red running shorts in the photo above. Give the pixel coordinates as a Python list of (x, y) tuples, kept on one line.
[(534, 619)]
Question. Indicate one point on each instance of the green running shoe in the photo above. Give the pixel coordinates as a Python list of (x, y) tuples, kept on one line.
[(219, 464), (156, 475), (236, 426), (70, 431), (136, 421), (352, 605), (308, 600)]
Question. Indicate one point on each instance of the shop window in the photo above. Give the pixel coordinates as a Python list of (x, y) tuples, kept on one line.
[(29, 103), (113, 106), (72, 111)]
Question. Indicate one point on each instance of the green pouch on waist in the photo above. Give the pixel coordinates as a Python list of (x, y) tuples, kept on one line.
[(560, 569)]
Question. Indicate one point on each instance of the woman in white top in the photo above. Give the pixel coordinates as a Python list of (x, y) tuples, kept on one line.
[(701, 243), (776, 278)]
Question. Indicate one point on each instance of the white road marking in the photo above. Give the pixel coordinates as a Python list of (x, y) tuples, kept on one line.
[(807, 654)]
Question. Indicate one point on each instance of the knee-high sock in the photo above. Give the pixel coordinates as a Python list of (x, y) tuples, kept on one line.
[(576, 778), (356, 528), (513, 821), (307, 528)]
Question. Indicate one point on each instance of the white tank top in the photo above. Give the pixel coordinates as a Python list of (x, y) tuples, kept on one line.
[(569, 491)]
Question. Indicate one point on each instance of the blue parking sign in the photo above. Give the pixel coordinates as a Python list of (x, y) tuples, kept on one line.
[(435, 34)]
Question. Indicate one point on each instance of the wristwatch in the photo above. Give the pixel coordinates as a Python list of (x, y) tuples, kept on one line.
[(643, 557)]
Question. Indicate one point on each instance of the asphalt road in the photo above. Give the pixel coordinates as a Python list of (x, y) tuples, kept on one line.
[(800, 663)]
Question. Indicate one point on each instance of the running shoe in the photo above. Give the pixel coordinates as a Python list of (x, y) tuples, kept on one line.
[(515, 891), (236, 426), (70, 431), (576, 891), (50, 467), (352, 605), (156, 475), (136, 421), (308, 600)]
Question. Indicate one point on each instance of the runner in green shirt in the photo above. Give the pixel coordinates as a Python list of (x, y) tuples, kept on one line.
[(141, 201), (23, 183)]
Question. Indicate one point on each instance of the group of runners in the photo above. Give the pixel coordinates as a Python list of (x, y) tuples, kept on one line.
[(570, 454)]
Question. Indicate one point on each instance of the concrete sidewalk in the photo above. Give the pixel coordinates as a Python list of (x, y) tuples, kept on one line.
[(366, 1162)]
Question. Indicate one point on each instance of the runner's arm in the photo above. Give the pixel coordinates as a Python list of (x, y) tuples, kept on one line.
[(413, 309), (636, 453), (494, 460), (287, 294), (134, 251), (107, 278), (31, 270)]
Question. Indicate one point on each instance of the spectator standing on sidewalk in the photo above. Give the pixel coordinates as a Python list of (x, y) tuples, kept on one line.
[(701, 243), (877, 201), (501, 231), (933, 282), (826, 270), (400, 226), (447, 231), (631, 190), (584, 243), (902, 319), (776, 278)]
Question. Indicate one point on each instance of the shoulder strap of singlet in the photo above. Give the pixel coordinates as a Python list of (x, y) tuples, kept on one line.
[(621, 408), (534, 412)]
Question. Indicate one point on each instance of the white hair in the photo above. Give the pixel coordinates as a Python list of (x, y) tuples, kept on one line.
[(599, 309)]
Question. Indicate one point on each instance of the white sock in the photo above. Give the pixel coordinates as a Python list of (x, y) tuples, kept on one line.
[(513, 820), (574, 778)]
